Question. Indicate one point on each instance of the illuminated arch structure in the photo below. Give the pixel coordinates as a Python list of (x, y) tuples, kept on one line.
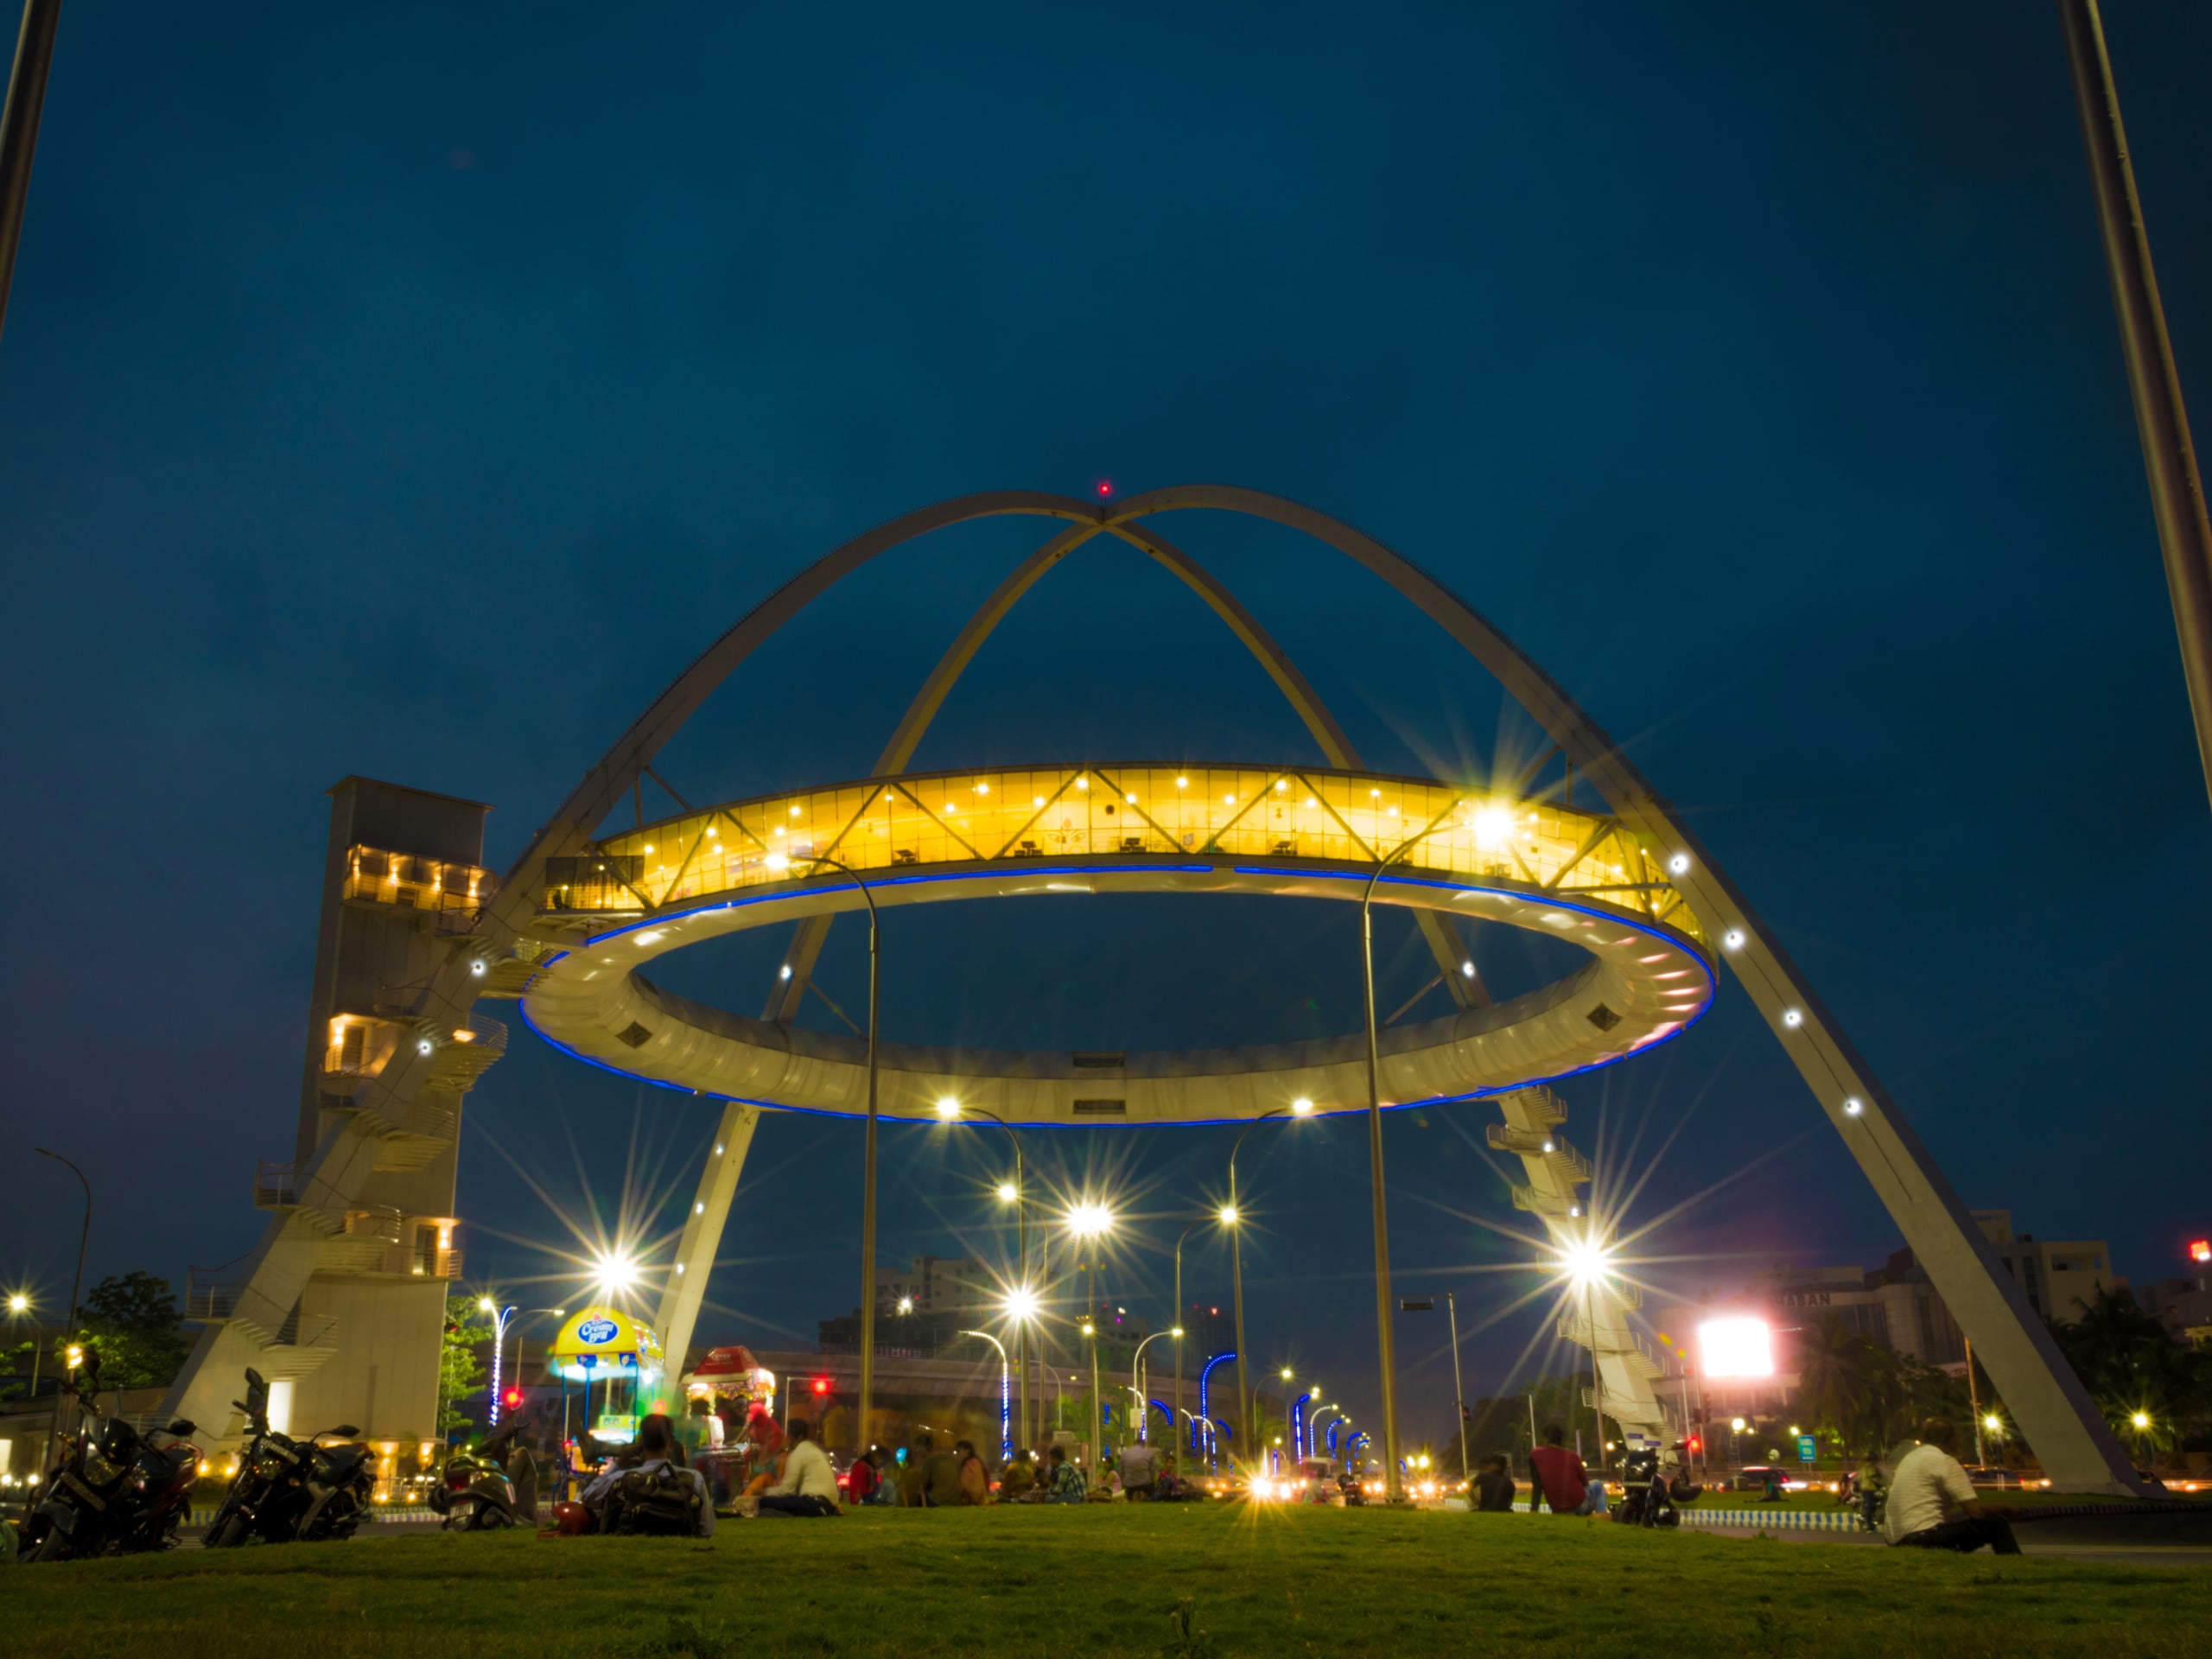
[(576, 917)]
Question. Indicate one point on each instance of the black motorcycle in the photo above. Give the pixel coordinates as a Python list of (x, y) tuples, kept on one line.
[(118, 1492), (1646, 1498), (290, 1491)]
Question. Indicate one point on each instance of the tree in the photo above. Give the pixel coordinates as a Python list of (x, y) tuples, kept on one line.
[(2153, 1392), (131, 1323), (459, 1369)]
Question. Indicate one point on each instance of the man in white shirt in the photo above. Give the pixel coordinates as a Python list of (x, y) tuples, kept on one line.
[(1931, 1502), (809, 1485)]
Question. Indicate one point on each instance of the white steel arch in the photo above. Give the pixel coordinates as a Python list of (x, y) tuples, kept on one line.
[(2052, 1409)]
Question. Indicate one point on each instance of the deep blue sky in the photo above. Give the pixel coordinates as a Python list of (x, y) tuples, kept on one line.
[(414, 394)]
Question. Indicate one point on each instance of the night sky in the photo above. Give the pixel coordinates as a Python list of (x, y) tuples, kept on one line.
[(415, 393)]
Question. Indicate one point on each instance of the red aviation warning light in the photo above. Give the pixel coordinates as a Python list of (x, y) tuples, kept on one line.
[(1105, 488), (2200, 1250)]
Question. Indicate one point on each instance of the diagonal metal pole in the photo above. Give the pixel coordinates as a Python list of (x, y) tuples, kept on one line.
[(2169, 456), (19, 129)]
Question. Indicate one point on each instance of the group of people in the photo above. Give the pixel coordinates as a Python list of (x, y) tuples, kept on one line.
[(1928, 1503), (926, 1475)]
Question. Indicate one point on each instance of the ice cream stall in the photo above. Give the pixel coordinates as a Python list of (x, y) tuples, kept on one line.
[(614, 1361)]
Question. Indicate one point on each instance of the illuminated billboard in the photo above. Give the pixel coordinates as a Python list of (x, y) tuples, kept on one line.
[(1737, 1347)]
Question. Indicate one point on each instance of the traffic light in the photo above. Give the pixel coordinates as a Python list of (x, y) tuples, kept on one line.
[(1697, 1444), (511, 1399), (821, 1385)]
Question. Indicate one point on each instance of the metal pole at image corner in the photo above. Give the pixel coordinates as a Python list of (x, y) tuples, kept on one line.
[(19, 129), (76, 1287), (2154, 382)]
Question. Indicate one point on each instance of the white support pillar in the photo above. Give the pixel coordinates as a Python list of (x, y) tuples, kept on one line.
[(703, 1233)]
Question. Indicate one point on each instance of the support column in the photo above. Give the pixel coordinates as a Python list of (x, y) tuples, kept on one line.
[(680, 1298)]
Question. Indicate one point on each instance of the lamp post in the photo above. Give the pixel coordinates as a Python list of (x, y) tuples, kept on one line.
[(499, 1317), (557, 1313), (76, 1285), (1232, 1217), (951, 1111), (782, 862), (1185, 1233), (1091, 1222), (1136, 1378), (1005, 1412), (1314, 1441)]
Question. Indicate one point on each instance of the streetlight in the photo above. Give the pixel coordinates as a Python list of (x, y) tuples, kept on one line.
[(951, 1111), (1226, 1217), (1092, 1221), (1136, 1381), (485, 1303), (1394, 1481), (84, 1237), (499, 1316), (18, 1305), (1006, 1412), (1587, 1262), (780, 862), (1314, 1441), (1230, 1219)]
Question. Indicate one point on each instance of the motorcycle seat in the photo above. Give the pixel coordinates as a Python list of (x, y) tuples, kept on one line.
[(344, 1458)]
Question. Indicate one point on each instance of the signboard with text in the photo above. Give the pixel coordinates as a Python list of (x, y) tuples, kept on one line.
[(1807, 1451)]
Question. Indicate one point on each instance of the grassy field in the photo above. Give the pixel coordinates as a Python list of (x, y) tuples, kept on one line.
[(1096, 1581)]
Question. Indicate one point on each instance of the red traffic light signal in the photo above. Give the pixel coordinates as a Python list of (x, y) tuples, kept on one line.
[(821, 1385), (1697, 1445), (511, 1399)]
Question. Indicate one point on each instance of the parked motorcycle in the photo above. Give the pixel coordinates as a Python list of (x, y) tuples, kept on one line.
[(117, 1492), (474, 1493), (1646, 1498), (288, 1490)]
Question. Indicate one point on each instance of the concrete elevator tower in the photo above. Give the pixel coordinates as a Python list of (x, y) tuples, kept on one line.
[(341, 1303)]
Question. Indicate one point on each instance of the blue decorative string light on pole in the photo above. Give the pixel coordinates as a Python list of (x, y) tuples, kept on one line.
[(1006, 1395)]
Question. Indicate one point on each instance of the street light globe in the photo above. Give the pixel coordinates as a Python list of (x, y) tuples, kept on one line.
[(1176, 1332), (18, 1302), (948, 1109), (484, 1302), (1585, 1260), (1736, 1424), (1285, 1373), (1227, 1215), (1089, 1220), (1087, 1328), (1993, 1422), (906, 1304), (1008, 1193), (2141, 1420), (616, 1271), (1021, 1304)]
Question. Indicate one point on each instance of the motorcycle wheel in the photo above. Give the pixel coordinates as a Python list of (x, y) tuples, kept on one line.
[(227, 1535), (55, 1547)]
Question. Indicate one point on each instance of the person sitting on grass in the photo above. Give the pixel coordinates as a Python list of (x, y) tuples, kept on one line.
[(974, 1480), (913, 1480), (1932, 1503), (1067, 1484), (1493, 1488), (654, 1448), (809, 1486), (1017, 1480), (1558, 1476), (940, 1475)]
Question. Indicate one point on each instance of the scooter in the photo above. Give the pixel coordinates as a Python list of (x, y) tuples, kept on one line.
[(117, 1493), (475, 1493)]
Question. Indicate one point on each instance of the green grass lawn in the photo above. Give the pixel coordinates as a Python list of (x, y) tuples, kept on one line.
[(1097, 1580)]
